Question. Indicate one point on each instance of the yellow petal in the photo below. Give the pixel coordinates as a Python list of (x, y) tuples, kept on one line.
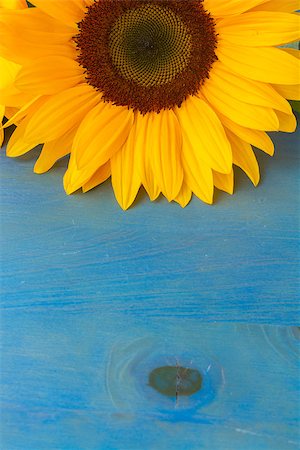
[(101, 175), (222, 8), (287, 122), (17, 145), (126, 179), (279, 5), (197, 174), (86, 178), (60, 113), (184, 196), (260, 29), (68, 12), (12, 97), (8, 72), (245, 90), (28, 108), (257, 138), (49, 75), (244, 157), (271, 65), (101, 134), (166, 142), (289, 91), (10, 111), (9, 94), (244, 114), (74, 178), (143, 154), (32, 22), (2, 111), (224, 181), (41, 36), (28, 51), (292, 51), (13, 4), (205, 133), (53, 151), (1, 135)]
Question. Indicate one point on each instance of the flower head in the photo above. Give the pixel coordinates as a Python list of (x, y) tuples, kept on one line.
[(164, 94)]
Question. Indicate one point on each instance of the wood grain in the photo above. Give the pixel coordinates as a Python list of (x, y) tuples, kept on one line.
[(236, 260), (80, 381), (94, 298)]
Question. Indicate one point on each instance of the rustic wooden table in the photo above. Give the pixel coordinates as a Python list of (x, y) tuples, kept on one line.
[(94, 298)]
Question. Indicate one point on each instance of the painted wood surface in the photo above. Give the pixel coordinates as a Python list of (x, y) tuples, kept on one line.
[(94, 298)]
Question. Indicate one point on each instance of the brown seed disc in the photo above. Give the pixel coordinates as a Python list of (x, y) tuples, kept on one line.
[(148, 55)]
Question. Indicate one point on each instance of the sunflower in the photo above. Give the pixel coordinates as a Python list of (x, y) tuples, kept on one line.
[(8, 67), (164, 94)]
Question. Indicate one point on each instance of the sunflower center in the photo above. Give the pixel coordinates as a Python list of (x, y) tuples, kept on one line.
[(146, 54), (149, 45)]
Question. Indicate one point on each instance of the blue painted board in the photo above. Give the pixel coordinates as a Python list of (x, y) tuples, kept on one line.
[(235, 260), (80, 381), (94, 298)]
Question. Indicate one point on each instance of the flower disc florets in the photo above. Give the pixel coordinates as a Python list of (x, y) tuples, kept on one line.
[(148, 55)]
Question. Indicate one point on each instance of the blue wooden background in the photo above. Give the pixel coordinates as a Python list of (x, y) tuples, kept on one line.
[(94, 298)]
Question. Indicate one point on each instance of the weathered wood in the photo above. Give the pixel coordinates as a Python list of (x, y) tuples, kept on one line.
[(94, 298), (80, 381), (235, 260)]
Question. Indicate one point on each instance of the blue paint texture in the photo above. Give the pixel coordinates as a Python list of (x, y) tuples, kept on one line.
[(94, 298)]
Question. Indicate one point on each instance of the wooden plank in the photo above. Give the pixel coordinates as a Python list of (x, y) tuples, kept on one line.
[(94, 298), (236, 260), (80, 381)]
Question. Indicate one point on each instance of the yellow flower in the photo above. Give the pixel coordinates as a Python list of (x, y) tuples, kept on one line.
[(166, 94), (7, 67)]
